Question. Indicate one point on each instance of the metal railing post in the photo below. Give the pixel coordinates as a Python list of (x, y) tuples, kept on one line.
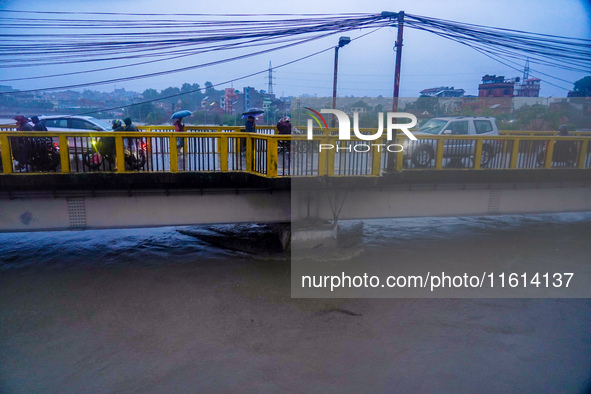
[(322, 157), (478, 154), (6, 155), (223, 153), (64, 153), (376, 162), (583, 154), (330, 157), (174, 157), (120, 154), (272, 157), (549, 154), (249, 153), (439, 154), (514, 153)]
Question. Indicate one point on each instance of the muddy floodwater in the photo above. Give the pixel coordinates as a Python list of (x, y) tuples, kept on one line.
[(185, 310)]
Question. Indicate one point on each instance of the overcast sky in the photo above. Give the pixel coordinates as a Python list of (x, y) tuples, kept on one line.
[(366, 66)]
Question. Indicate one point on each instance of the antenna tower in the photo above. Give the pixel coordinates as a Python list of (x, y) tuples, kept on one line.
[(270, 89), (526, 71)]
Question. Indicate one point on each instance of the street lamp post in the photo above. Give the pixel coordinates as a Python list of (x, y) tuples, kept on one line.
[(342, 42)]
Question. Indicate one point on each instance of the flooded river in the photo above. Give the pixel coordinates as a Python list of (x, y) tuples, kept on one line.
[(203, 309)]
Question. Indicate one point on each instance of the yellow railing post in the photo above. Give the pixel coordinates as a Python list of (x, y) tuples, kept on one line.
[(478, 154), (6, 155), (322, 156), (249, 153), (400, 161), (64, 153), (271, 157), (174, 157), (583, 154), (376, 160), (439, 154), (514, 153), (549, 154), (223, 142), (119, 152), (330, 158)]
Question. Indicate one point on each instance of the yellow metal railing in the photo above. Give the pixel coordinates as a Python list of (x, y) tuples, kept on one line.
[(226, 149)]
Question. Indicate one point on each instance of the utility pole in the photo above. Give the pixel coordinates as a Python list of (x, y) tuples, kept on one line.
[(398, 62), (342, 42), (390, 163), (270, 89)]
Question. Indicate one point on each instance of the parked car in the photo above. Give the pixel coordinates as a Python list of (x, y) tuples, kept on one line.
[(74, 123), (422, 151)]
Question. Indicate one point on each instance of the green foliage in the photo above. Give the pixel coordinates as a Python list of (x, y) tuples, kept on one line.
[(156, 117), (430, 104), (150, 94), (537, 117), (582, 88)]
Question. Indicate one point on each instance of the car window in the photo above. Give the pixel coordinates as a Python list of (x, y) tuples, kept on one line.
[(433, 126), (100, 122), (63, 123), (458, 128), (483, 126), (81, 124)]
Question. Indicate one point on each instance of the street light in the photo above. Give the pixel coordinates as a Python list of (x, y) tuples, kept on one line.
[(342, 42)]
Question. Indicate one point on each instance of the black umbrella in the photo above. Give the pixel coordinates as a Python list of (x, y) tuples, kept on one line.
[(252, 112)]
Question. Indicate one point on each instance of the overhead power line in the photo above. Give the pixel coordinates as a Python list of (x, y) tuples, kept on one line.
[(89, 37)]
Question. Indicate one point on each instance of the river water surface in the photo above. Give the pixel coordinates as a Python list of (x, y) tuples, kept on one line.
[(202, 309)]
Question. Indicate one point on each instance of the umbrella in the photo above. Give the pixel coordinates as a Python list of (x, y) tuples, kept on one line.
[(181, 114), (252, 112)]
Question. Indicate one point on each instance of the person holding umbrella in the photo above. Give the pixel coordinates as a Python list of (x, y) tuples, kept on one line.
[(179, 126), (250, 125)]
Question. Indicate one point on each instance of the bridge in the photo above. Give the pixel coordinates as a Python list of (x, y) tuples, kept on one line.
[(70, 180)]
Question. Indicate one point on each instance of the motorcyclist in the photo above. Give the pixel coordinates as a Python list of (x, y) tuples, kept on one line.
[(116, 125), (22, 123), (565, 151), (39, 126), (128, 125), (563, 131), (108, 143), (130, 142), (22, 146)]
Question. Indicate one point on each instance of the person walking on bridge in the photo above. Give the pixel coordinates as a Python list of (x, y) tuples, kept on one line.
[(39, 126), (129, 127), (249, 127)]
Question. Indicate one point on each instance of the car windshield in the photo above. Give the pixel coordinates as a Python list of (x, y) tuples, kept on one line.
[(434, 126), (103, 123)]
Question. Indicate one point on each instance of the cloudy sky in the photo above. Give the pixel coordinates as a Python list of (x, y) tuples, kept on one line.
[(366, 66)]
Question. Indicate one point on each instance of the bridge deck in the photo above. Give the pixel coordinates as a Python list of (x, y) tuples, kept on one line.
[(278, 178)]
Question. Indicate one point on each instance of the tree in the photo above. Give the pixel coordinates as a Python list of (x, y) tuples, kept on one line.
[(537, 117), (209, 89), (582, 88), (150, 94), (425, 103)]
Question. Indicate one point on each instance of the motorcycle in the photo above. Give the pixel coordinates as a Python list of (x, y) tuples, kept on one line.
[(566, 152), (102, 150), (42, 154)]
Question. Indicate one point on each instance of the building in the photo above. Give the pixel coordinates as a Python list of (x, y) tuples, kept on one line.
[(493, 86), (251, 98), (230, 100), (529, 88), (443, 91)]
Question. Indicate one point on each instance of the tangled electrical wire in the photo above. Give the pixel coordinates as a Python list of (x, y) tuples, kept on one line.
[(82, 38)]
